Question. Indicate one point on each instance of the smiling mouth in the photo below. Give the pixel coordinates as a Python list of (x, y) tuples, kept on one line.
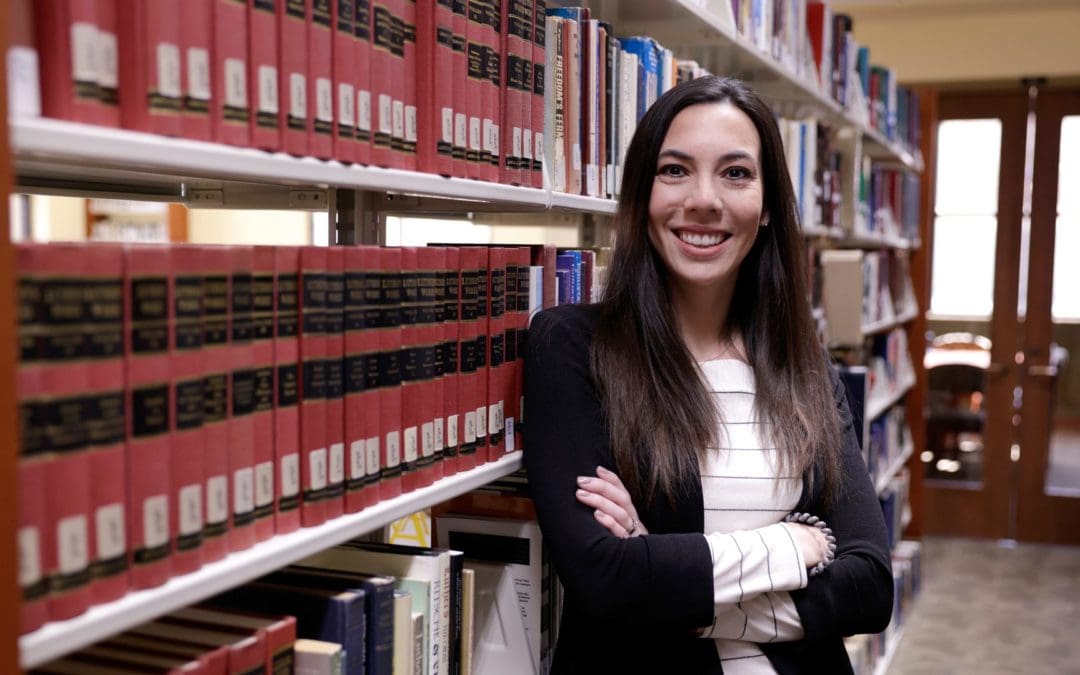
[(701, 240)]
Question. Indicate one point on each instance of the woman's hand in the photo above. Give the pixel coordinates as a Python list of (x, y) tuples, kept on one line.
[(610, 500), (812, 542)]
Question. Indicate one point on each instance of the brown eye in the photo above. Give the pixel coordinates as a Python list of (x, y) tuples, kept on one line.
[(671, 171)]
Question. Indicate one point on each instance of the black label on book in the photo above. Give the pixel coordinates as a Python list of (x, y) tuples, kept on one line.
[(314, 385), (384, 29), (104, 413), (498, 293), (469, 358), (450, 357), (107, 341), (410, 287), (390, 369), (429, 362), (263, 304), (445, 36), (410, 364), (149, 339), (459, 7), (243, 326), (520, 20), (243, 392), (264, 5), (145, 556), (215, 398), (496, 350), (362, 24), (320, 13), (264, 389), (335, 378), (428, 282), (215, 310), (510, 281), (335, 303), (539, 13), (105, 301), (482, 291), (65, 427), (408, 32), (150, 410), (62, 302), (187, 542), (288, 390), (108, 567), (477, 61), (481, 351), (538, 76), (189, 404), (510, 345), (65, 582), (491, 547), (345, 14), (355, 373), (33, 420)]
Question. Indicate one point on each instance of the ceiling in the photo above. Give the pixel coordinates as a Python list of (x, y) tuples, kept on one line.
[(947, 6)]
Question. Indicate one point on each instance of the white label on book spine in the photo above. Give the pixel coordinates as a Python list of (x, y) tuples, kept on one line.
[(398, 128), (511, 443), (290, 475), (297, 96), (29, 556), (346, 105), (393, 449), (72, 545), (446, 134), (474, 133), (386, 105), (410, 123), (357, 460), (515, 141), (106, 64), (427, 439), (538, 146), (168, 69), (337, 463), (575, 157), (155, 513), (24, 89), (526, 145), (592, 180), (198, 74), (363, 109), (236, 83), (371, 449), (217, 500), (481, 422), (84, 52), (191, 520), (410, 444), (317, 468), (439, 434), (244, 490), (324, 99), (109, 531), (470, 426), (488, 131), (451, 431), (264, 483), (461, 130), (268, 93)]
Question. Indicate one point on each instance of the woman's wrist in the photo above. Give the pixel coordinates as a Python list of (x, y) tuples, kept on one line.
[(830, 540)]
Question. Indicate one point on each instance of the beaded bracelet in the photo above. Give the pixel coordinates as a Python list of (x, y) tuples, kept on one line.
[(830, 551)]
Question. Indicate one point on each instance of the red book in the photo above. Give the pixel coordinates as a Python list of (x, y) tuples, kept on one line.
[(147, 315), (246, 653), (493, 98), (287, 387), (241, 449), (278, 633), (216, 356), (335, 381), (475, 86), (521, 325), (230, 112), (196, 40), (383, 83), (362, 316), (188, 466), (263, 75), (460, 78), (407, 9), (313, 454), (390, 373), (434, 70), (450, 349), (293, 73), (67, 44), (516, 56), (470, 391), (108, 75), (431, 260), (411, 397), (320, 80), (214, 660), (105, 421), (345, 65), (262, 346), (53, 539), (362, 76), (539, 79), (496, 351), (401, 83), (151, 90)]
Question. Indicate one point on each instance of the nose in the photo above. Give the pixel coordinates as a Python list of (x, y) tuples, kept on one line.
[(702, 195)]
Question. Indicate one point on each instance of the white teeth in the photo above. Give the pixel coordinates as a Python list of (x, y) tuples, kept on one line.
[(701, 240)]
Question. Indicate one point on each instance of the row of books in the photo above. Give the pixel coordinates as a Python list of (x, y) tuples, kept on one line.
[(870, 654), (889, 438), (448, 87), (864, 291), (192, 400)]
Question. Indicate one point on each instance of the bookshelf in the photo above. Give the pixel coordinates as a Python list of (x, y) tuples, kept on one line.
[(58, 157)]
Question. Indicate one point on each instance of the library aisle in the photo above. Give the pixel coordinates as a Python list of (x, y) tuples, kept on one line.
[(989, 609)]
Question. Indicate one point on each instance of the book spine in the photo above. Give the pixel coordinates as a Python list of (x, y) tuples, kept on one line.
[(196, 40), (66, 33), (320, 92), (148, 50), (216, 394), (188, 474), (410, 94), (363, 84), (460, 79), (292, 20), (482, 375), (107, 63), (287, 388), (429, 336), (263, 414), (434, 66), (411, 396), (313, 437), (361, 393), (467, 385), (334, 501), (241, 425), (514, 34), (496, 355), (493, 93), (343, 14), (231, 111), (525, 293), (510, 354), (390, 373), (450, 361), (263, 74), (476, 55), (382, 82), (147, 317)]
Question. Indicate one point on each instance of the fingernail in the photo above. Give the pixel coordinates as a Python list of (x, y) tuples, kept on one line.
[(582, 493), (583, 480), (601, 469)]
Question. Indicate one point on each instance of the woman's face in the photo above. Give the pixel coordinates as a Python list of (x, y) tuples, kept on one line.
[(707, 196)]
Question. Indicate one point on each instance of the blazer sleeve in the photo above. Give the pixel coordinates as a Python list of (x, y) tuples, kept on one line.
[(855, 593), (660, 579)]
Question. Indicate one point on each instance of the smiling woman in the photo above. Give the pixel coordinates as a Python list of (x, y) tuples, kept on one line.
[(691, 411)]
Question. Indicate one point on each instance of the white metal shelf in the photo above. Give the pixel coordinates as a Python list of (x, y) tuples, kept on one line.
[(58, 638), (878, 404), (146, 166)]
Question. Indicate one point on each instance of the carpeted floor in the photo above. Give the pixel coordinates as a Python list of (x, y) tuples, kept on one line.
[(988, 609)]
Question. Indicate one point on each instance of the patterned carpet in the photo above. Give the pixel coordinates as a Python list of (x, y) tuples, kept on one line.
[(990, 609)]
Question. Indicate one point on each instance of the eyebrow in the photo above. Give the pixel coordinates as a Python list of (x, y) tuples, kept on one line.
[(687, 157)]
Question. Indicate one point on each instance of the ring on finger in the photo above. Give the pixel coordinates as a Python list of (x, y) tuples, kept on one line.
[(633, 527)]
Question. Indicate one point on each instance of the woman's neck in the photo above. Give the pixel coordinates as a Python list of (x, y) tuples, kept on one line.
[(702, 322)]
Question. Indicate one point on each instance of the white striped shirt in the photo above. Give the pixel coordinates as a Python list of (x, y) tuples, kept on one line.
[(755, 558)]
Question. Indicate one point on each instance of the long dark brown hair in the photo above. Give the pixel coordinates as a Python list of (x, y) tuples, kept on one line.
[(660, 416)]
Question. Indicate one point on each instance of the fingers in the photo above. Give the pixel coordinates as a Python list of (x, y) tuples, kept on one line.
[(611, 503), (613, 525)]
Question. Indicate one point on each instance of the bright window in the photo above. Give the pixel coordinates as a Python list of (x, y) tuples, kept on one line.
[(1066, 301)]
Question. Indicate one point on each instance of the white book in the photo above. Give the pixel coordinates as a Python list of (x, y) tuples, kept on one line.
[(316, 657), (500, 644), (403, 633)]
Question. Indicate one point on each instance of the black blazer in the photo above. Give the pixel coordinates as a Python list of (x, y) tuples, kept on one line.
[(631, 605)]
